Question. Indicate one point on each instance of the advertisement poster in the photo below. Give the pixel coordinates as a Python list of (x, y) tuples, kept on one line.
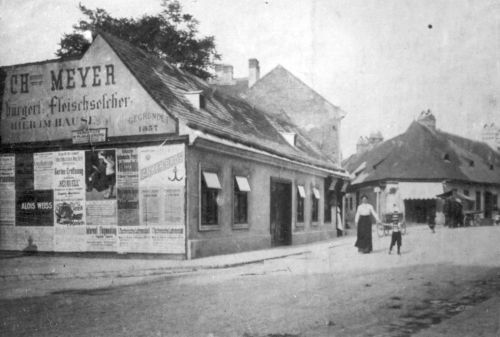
[(8, 189), (35, 208), (100, 174), (134, 239), (128, 206), (69, 201), (127, 182), (43, 170), (161, 184), (101, 225)]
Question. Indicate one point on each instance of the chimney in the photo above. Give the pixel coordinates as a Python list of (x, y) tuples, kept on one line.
[(427, 118), (224, 74), (253, 72)]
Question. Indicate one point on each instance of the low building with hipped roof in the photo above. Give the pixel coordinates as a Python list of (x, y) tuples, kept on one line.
[(412, 169), (120, 151)]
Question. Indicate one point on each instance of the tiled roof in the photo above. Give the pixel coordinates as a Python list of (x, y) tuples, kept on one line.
[(224, 116), (280, 90), (422, 153)]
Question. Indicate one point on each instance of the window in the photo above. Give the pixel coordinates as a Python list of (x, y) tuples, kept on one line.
[(240, 200), (478, 201), (301, 194), (210, 186), (315, 196), (466, 192)]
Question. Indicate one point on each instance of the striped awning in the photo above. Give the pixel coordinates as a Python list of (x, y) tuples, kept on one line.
[(417, 190)]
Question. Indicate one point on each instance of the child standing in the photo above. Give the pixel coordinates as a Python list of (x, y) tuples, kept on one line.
[(396, 231)]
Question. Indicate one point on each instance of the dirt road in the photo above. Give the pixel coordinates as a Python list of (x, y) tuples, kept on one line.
[(334, 291)]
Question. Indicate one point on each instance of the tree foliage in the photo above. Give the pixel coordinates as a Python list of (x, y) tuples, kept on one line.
[(171, 35)]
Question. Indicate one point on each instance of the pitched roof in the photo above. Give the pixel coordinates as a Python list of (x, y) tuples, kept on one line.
[(281, 91), (224, 116), (422, 153)]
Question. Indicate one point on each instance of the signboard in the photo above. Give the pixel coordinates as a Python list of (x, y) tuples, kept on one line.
[(89, 136), (96, 92)]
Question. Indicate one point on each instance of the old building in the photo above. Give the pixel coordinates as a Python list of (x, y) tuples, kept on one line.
[(119, 151), (281, 93), (411, 169)]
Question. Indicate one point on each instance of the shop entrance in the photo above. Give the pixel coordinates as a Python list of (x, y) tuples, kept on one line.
[(420, 211), (281, 213)]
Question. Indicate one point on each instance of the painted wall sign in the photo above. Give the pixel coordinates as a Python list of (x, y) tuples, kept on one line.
[(95, 92)]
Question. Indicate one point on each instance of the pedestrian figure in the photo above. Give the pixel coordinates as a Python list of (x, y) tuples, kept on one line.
[(431, 221), (396, 231), (364, 221)]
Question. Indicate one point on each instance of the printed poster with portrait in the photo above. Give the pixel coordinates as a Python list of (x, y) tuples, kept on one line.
[(69, 201), (100, 205)]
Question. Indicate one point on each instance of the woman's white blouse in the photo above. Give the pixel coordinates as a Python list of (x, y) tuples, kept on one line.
[(365, 209)]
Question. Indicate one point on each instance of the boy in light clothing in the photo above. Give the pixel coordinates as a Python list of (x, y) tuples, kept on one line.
[(396, 230)]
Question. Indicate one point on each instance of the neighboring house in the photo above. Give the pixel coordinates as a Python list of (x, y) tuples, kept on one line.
[(119, 151), (282, 94), (411, 169)]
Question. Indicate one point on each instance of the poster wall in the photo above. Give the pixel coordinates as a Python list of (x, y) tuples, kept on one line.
[(113, 200), (69, 201), (8, 188)]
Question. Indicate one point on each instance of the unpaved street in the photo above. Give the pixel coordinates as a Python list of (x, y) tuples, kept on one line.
[(332, 291)]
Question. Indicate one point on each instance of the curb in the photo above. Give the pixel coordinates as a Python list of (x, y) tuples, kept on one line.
[(143, 272)]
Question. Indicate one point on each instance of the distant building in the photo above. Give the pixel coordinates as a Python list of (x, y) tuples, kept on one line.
[(411, 169), (491, 135), (120, 151), (368, 143), (282, 94)]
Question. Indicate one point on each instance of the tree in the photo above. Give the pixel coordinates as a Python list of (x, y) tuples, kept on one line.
[(171, 35)]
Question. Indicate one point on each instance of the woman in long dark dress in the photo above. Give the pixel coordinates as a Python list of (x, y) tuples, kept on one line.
[(363, 219)]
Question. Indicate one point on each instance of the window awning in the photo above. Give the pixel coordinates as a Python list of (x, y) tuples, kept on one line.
[(212, 180), (423, 190), (302, 191), (316, 193), (243, 184)]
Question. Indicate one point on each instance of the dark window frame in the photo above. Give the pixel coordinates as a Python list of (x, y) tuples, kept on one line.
[(314, 207), (300, 207), (238, 221), (211, 196)]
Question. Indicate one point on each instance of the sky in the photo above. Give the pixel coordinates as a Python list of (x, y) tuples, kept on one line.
[(380, 61)]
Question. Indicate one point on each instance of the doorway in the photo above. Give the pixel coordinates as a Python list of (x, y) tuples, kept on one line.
[(488, 205), (281, 213)]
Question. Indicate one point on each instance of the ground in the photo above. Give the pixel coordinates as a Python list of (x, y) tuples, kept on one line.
[(443, 284)]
